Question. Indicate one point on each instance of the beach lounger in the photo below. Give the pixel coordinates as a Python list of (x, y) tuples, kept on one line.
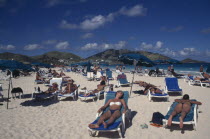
[(109, 75), (73, 94), (98, 76), (164, 95), (191, 117), (90, 76), (172, 85), (192, 81), (122, 80), (119, 124)]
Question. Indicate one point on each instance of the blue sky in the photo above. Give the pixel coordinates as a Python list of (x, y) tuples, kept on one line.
[(176, 28)]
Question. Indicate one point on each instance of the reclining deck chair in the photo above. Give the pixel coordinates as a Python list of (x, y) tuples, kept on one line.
[(120, 122), (150, 96), (192, 81), (90, 76), (122, 80), (109, 75), (73, 94), (191, 117), (53, 95), (172, 85)]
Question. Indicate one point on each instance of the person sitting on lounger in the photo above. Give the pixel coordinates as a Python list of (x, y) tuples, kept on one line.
[(52, 88), (114, 111), (99, 86), (38, 77), (183, 107), (176, 74), (70, 88), (206, 76), (55, 74)]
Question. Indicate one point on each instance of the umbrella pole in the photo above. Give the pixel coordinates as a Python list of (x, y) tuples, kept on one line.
[(10, 83), (132, 83)]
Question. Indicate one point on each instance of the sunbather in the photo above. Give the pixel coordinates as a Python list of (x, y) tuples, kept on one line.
[(70, 88), (183, 107), (52, 88), (204, 80), (113, 113), (206, 76), (38, 77), (147, 86), (55, 74), (99, 86)]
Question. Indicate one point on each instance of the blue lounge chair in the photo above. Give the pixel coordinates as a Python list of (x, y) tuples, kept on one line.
[(164, 95), (191, 117), (122, 80), (120, 122), (109, 75), (172, 85)]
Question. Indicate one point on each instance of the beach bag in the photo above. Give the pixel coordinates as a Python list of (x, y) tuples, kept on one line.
[(157, 119), (17, 90)]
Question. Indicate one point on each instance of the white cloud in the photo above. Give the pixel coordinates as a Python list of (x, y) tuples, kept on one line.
[(62, 45), (100, 20), (87, 35), (188, 51), (137, 10), (7, 47), (145, 46), (32, 47), (174, 29), (51, 3), (104, 46), (159, 44), (94, 23), (65, 25), (90, 46)]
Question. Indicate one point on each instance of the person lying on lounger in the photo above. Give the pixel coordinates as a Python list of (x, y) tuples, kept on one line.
[(38, 77), (206, 76), (204, 80), (99, 86), (183, 107), (147, 86), (70, 88), (55, 74), (114, 111)]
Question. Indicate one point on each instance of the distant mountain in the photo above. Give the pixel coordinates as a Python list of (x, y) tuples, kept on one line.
[(188, 60), (57, 58), (17, 57), (111, 56)]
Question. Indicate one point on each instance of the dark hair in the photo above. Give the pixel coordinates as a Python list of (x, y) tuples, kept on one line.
[(186, 97), (119, 91)]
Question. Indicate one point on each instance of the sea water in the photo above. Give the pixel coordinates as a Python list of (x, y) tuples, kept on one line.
[(186, 68)]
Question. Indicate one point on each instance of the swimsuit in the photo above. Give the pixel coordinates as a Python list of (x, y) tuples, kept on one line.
[(114, 103)]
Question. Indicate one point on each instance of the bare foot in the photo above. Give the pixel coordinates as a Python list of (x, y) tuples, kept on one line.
[(105, 125), (170, 120), (93, 126), (181, 122)]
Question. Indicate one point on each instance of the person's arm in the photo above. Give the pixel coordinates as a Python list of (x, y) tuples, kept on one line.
[(178, 100), (124, 105), (196, 102), (103, 107)]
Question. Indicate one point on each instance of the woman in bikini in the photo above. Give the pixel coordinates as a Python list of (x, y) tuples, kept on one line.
[(183, 107), (114, 111), (147, 86)]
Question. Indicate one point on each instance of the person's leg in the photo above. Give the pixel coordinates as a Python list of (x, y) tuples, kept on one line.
[(185, 110), (105, 116), (177, 110), (113, 117)]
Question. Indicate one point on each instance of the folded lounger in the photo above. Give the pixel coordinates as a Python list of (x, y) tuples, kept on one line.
[(120, 122), (191, 117)]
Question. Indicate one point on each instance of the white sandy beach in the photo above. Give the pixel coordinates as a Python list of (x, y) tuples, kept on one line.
[(68, 119)]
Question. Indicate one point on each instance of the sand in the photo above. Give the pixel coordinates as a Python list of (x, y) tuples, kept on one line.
[(68, 119)]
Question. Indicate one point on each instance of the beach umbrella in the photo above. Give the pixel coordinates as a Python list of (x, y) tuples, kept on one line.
[(41, 65), (14, 65), (141, 60)]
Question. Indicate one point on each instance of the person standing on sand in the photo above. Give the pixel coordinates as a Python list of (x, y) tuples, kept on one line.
[(201, 68)]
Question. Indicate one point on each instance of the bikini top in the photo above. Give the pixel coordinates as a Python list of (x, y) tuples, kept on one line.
[(115, 103)]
